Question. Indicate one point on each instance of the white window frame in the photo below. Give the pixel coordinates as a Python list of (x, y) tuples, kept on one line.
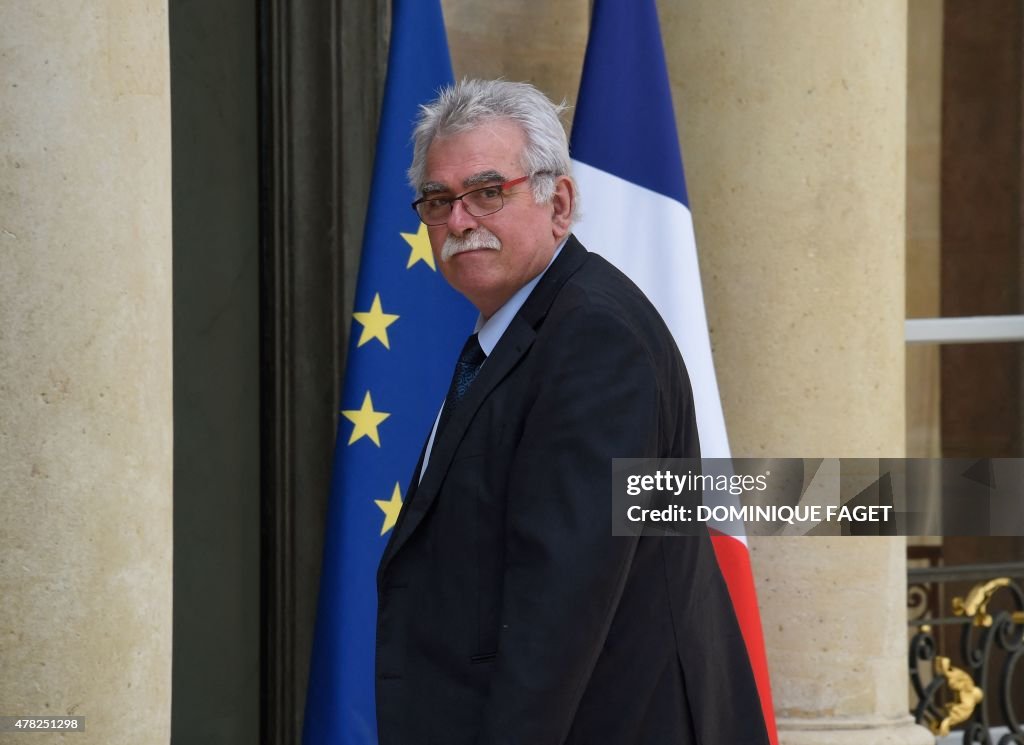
[(964, 330)]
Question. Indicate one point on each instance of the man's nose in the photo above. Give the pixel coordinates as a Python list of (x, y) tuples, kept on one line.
[(460, 221)]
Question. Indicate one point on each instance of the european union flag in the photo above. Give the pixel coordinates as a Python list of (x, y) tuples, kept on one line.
[(408, 326)]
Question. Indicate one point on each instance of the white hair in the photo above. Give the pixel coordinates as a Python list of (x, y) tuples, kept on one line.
[(470, 103)]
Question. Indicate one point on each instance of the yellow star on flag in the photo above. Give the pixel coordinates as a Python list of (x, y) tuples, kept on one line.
[(375, 323), (365, 420), (420, 243), (390, 508)]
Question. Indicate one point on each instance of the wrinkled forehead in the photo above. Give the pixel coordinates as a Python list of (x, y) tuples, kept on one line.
[(490, 151)]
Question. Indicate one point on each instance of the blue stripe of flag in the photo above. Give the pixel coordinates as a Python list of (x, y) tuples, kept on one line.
[(624, 123)]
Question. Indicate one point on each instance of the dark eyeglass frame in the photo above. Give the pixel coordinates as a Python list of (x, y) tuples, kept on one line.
[(502, 187)]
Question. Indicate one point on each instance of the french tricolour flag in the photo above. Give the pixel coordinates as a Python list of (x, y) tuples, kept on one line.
[(636, 214)]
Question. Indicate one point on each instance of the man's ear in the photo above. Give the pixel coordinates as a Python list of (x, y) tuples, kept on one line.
[(561, 206)]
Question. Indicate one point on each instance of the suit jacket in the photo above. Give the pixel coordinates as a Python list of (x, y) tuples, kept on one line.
[(507, 611)]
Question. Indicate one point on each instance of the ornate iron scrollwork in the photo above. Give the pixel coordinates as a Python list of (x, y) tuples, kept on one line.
[(966, 695), (990, 641), (975, 605), (922, 649)]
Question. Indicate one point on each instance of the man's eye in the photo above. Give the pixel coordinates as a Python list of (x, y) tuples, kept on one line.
[(438, 202), (491, 192)]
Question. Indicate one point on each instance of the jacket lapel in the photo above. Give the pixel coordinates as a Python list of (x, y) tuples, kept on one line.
[(514, 343)]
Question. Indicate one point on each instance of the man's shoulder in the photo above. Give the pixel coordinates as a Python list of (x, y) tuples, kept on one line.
[(600, 303), (583, 293), (599, 287)]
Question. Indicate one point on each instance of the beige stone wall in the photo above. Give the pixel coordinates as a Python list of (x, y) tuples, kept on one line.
[(85, 368), (539, 42)]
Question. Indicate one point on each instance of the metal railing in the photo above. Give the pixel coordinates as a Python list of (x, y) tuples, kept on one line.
[(967, 679)]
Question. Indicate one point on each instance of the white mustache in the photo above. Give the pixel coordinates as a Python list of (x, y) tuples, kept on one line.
[(479, 238)]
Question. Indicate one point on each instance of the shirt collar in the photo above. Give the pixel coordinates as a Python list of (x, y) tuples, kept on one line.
[(489, 332)]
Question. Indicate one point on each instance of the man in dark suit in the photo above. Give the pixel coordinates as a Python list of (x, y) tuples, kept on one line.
[(508, 612)]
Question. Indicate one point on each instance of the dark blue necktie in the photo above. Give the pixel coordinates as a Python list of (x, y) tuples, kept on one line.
[(466, 370)]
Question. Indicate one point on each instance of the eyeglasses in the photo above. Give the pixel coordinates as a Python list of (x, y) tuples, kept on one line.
[(478, 202)]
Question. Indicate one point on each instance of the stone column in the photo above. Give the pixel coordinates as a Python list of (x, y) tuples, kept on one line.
[(792, 116), (85, 367)]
